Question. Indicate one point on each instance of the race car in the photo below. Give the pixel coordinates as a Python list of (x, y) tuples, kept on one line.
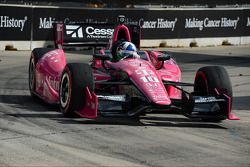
[(130, 87)]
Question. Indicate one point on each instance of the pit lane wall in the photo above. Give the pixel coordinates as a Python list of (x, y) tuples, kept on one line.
[(27, 27)]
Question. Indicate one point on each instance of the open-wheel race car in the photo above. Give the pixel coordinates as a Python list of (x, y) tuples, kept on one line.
[(129, 87)]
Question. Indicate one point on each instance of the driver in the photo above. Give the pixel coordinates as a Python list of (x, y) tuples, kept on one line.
[(124, 50)]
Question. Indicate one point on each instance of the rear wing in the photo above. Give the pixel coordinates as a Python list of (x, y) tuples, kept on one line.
[(94, 35)]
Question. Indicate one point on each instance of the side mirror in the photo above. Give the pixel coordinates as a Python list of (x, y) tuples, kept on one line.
[(164, 57), (102, 57)]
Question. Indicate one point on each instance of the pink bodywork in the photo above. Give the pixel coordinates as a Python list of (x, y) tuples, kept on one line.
[(170, 71), (48, 72), (90, 109), (146, 75)]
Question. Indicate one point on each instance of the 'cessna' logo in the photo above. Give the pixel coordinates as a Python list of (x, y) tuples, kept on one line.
[(78, 31), (99, 33), (74, 31), (96, 31)]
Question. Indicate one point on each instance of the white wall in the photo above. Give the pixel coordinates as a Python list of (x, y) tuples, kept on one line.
[(200, 42), (27, 45)]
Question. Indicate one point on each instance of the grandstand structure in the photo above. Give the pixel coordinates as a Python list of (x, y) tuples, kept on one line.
[(134, 3)]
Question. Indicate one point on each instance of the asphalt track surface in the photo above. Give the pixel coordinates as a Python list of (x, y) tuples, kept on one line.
[(33, 133)]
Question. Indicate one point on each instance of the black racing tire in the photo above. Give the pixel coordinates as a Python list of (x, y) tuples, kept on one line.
[(75, 77), (36, 55), (207, 79), (32, 77)]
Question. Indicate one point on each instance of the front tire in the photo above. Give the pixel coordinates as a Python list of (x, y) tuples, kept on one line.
[(75, 77), (208, 79)]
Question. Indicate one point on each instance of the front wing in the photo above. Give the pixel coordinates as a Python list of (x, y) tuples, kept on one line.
[(192, 106)]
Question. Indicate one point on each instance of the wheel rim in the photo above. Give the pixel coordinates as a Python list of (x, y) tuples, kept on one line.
[(32, 74), (65, 90)]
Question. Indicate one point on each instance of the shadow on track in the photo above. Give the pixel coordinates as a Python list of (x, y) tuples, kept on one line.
[(148, 121), (236, 61), (38, 109), (241, 103), (26, 102), (24, 106)]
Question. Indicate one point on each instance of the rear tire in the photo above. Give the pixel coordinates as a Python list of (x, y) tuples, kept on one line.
[(75, 77), (211, 77), (32, 77)]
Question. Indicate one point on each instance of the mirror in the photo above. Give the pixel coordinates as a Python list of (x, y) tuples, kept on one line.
[(164, 57), (102, 56)]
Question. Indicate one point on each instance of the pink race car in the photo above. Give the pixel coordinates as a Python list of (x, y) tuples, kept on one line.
[(129, 87)]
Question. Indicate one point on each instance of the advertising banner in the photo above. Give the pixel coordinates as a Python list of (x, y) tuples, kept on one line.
[(36, 23), (15, 23), (246, 22), (167, 24), (155, 24), (44, 19)]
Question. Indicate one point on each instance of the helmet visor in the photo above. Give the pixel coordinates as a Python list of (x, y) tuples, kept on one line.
[(126, 53)]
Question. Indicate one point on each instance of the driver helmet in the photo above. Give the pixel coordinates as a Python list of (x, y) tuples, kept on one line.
[(125, 49)]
